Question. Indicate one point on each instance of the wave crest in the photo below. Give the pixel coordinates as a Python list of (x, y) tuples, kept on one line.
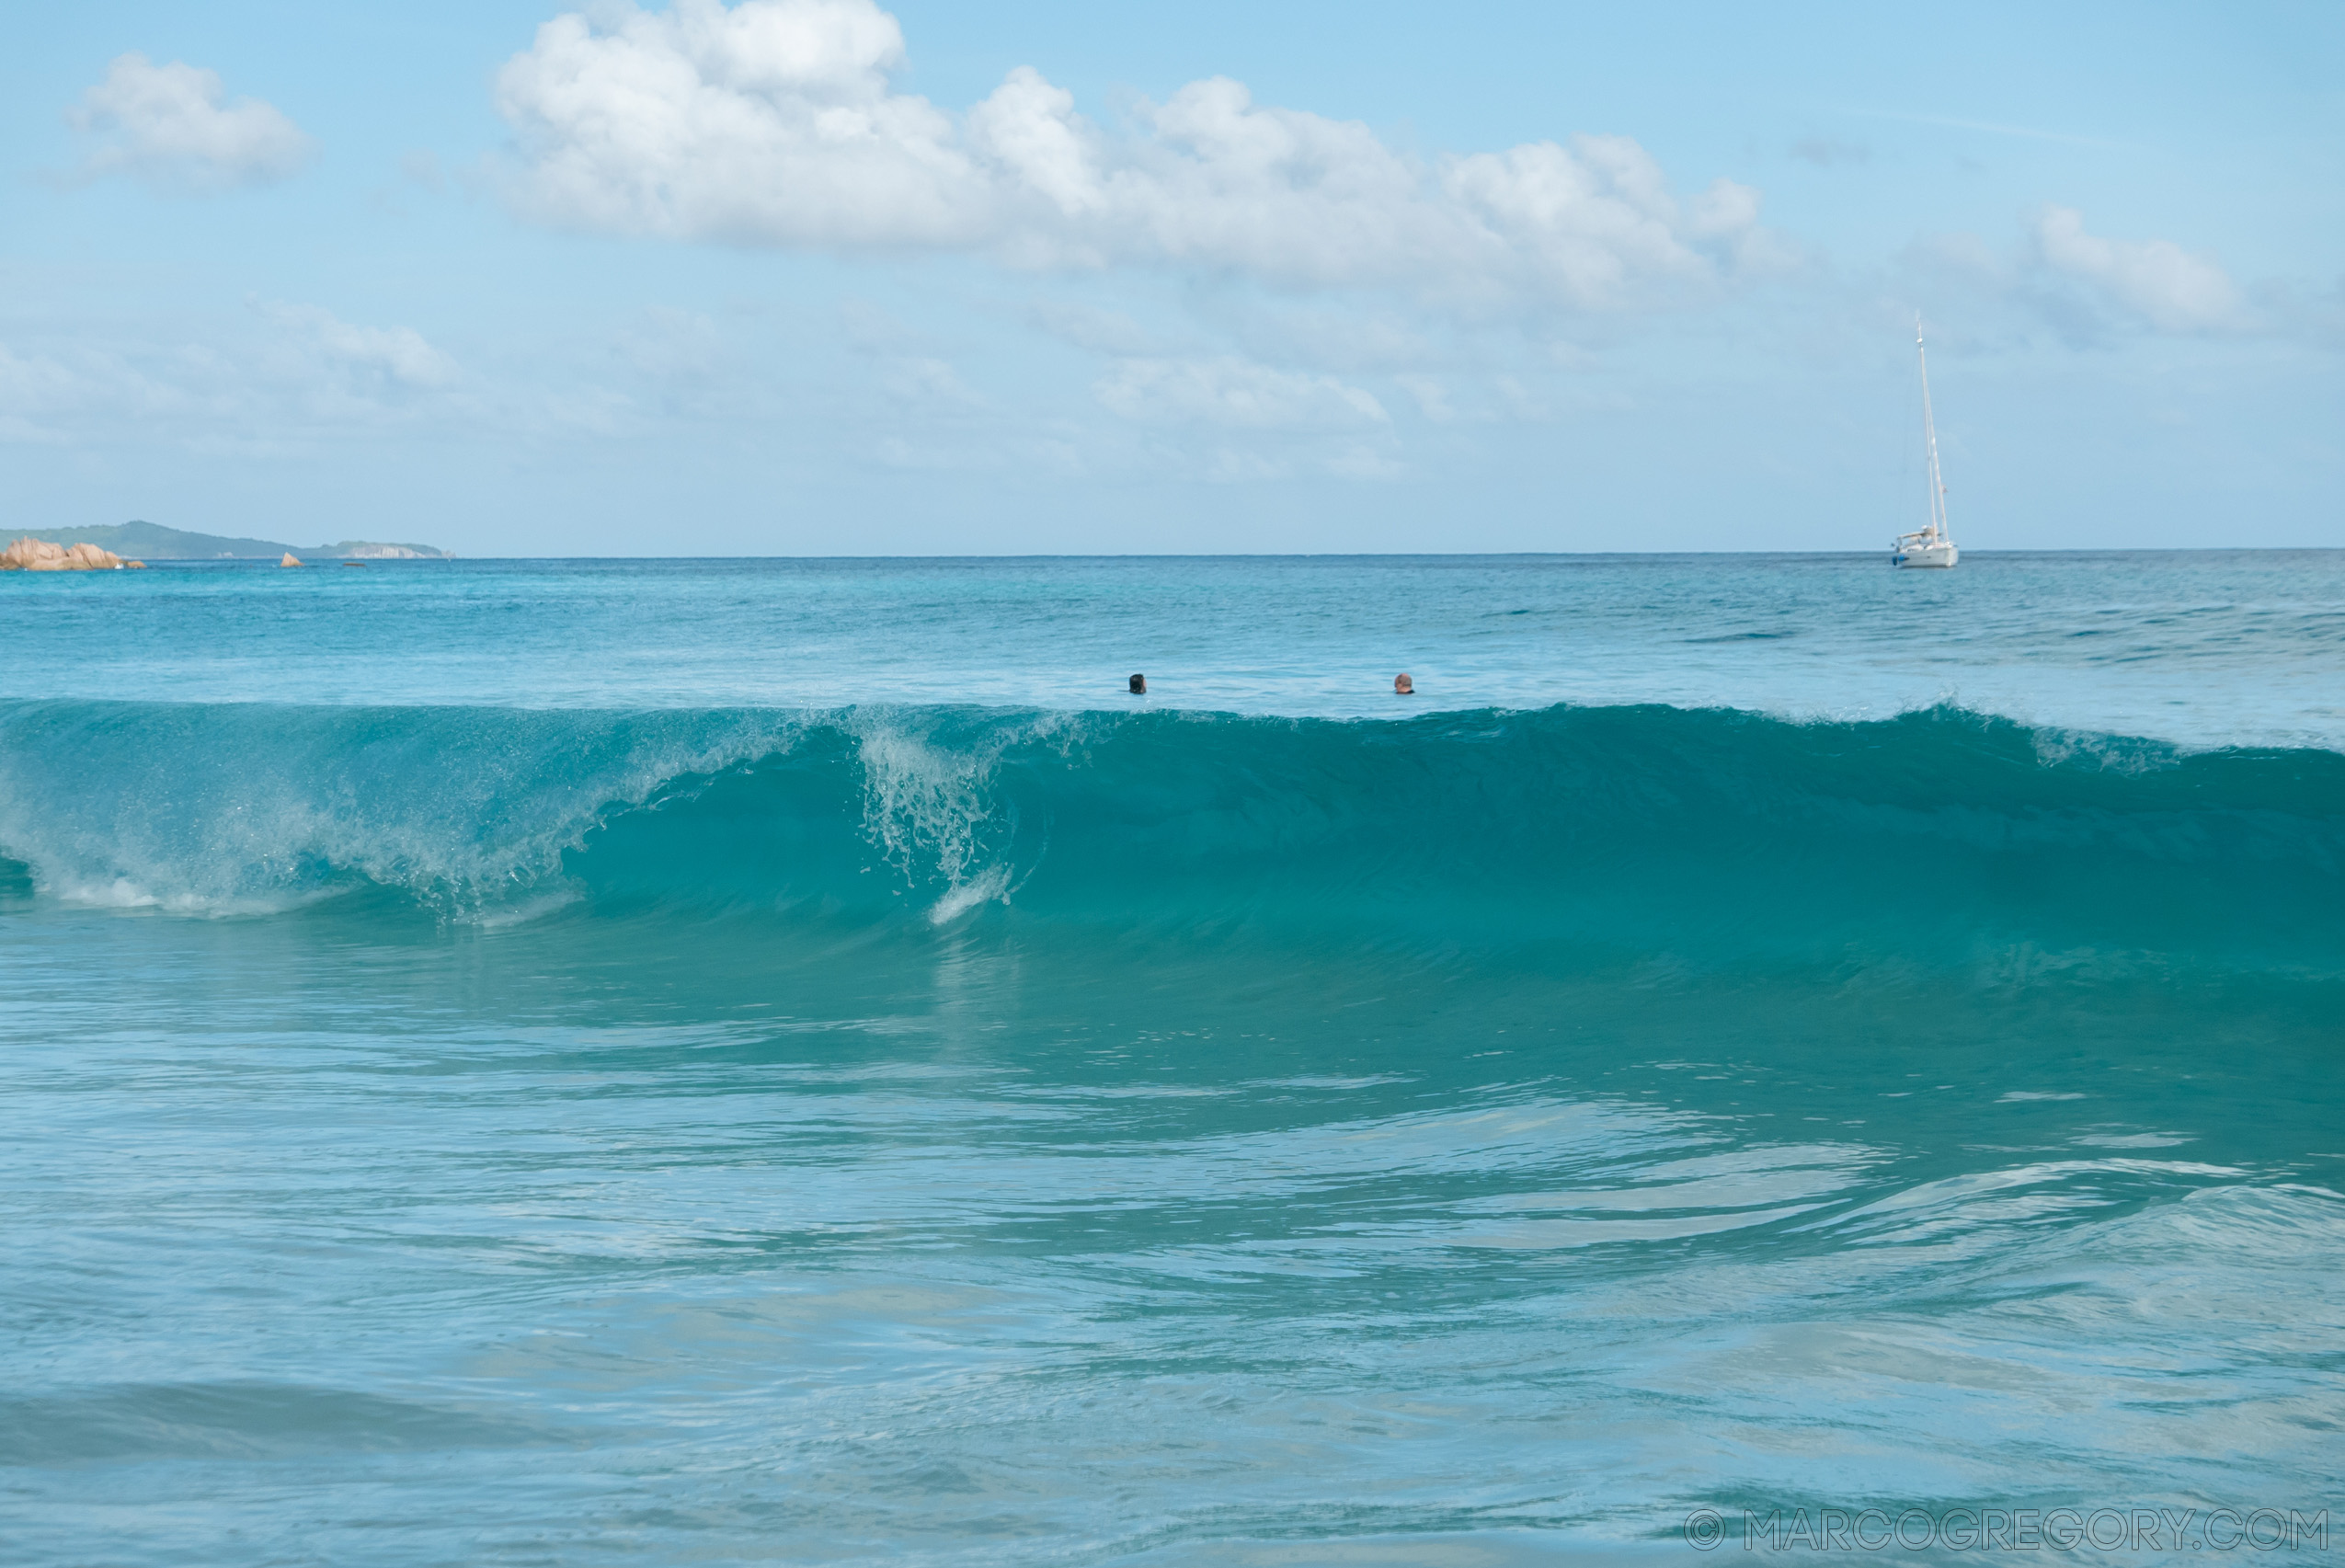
[(1937, 838)]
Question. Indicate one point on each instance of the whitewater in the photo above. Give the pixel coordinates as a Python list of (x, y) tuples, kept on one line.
[(743, 1061)]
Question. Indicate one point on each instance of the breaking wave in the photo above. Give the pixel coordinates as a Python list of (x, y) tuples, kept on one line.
[(1940, 837)]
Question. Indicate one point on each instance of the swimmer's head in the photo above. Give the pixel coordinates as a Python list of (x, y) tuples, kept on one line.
[(1139, 685), (1402, 685)]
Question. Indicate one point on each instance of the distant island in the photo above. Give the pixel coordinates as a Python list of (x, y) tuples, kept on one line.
[(152, 541)]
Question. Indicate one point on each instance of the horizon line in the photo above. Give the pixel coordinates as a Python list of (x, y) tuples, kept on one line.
[(1968, 552)]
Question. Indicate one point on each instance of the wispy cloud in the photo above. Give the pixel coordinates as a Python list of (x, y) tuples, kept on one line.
[(1988, 127), (385, 357), (2093, 288), (298, 372), (1226, 390), (168, 126), (1829, 151), (2155, 280)]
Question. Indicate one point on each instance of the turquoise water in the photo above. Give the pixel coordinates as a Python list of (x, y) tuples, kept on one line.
[(761, 1061)]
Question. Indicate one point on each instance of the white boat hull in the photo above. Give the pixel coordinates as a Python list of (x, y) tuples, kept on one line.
[(1941, 552)]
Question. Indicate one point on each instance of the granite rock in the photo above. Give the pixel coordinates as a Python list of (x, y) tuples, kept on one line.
[(30, 554)]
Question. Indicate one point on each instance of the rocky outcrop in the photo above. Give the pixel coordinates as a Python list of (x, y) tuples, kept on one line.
[(289, 560), (30, 554)]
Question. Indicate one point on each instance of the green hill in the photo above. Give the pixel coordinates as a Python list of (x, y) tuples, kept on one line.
[(152, 541)]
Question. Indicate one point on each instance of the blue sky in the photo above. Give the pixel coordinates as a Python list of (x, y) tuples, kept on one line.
[(821, 277)]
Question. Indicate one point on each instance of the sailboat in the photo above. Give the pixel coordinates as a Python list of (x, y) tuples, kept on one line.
[(1930, 545)]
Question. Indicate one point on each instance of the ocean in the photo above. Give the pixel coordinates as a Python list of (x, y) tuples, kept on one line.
[(790, 1062)]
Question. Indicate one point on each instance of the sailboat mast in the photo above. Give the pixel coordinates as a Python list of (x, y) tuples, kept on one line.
[(1929, 436)]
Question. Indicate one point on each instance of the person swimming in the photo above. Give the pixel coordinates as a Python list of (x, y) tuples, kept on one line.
[(1402, 686), (1139, 685)]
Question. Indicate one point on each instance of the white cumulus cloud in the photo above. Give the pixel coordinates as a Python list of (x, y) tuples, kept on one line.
[(168, 125), (2155, 280), (775, 122), (772, 123)]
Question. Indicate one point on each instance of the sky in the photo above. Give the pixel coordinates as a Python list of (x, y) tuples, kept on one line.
[(816, 277)]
